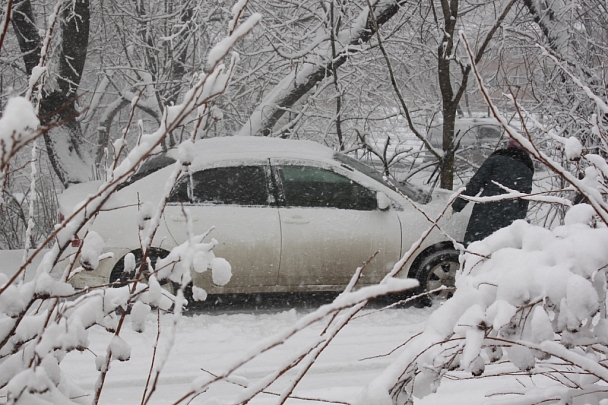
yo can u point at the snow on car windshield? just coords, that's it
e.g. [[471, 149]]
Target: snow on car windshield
[[410, 191]]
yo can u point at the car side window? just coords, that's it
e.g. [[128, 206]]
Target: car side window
[[307, 186], [237, 185], [489, 133]]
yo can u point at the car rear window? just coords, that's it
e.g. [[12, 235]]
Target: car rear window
[[150, 166], [490, 133], [236, 185]]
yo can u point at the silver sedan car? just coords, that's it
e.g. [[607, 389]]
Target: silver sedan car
[[288, 215]]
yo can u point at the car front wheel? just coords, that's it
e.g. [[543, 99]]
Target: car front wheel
[[436, 270]]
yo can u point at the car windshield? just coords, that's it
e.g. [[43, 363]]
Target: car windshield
[[150, 166], [407, 189]]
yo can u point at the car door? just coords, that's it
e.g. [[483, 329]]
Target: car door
[[330, 225], [237, 201]]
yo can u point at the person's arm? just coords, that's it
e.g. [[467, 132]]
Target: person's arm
[[477, 182]]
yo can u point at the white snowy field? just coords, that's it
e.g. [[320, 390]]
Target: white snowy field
[[519, 267], [210, 341], [213, 341]]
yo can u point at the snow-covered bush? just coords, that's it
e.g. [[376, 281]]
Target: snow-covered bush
[[43, 318], [25, 206], [529, 301]]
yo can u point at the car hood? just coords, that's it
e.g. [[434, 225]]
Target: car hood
[[436, 200], [439, 198]]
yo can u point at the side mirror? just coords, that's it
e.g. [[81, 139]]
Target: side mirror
[[383, 201]]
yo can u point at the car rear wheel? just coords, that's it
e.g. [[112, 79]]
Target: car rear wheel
[[119, 277], [438, 269]]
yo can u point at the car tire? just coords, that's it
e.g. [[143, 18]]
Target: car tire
[[118, 277], [437, 269]]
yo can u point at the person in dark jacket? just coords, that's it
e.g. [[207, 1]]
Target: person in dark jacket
[[512, 168]]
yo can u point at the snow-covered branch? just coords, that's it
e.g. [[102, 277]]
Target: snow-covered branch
[[527, 296], [46, 318]]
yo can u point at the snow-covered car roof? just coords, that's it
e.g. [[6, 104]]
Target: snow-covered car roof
[[252, 147], [471, 122], [235, 148], [206, 152]]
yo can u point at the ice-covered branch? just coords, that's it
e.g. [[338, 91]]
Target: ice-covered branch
[[581, 186], [531, 297], [44, 324]]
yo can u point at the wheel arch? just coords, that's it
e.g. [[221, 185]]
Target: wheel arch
[[120, 263]]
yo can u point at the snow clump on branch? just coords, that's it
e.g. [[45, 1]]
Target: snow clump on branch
[[524, 296], [17, 127], [43, 319]]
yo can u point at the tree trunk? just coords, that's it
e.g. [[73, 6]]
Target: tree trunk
[[70, 158], [307, 75], [334, 27], [27, 33], [449, 102], [451, 99], [550, 25]]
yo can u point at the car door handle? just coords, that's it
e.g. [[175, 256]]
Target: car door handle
[[182, 218], [296, 219]]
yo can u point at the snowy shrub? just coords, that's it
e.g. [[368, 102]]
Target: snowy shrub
[[27, 212], [532, 297], [529, 302], [43, 318]]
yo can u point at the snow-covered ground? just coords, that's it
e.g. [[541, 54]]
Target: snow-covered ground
[[211, 340], [505, 297]]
